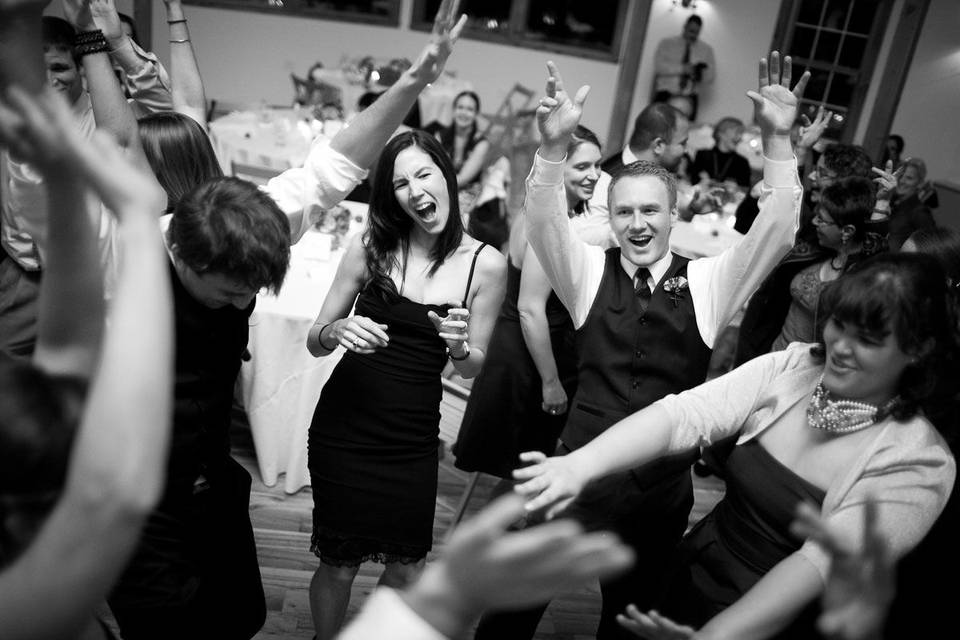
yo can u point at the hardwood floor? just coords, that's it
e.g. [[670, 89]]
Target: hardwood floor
[[282, 525]]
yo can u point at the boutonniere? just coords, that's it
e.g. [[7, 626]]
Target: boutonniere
[[675, 286]]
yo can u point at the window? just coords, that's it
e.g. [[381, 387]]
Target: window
[[385, 12], [566, 26], [838, 41]]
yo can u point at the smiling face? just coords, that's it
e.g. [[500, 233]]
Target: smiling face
[[464, 111], [860, 365], [641, 217], [581, 172], [908, 182], [421, 190], [62, 73]]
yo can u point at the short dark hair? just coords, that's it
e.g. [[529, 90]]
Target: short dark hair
[[389, 225], [57, 33], [179, 152], [897, 140], [850, 203], [847, 160], [646, 168], [905, 294], [229, 226], [695, 19], [658, 120], [726, 123]]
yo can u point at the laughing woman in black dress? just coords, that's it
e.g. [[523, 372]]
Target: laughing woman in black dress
[[419, 284]]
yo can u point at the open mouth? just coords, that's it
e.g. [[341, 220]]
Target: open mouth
[[640, 241], [840, 367], [427, 212]]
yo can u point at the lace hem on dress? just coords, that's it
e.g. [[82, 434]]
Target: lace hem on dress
[[342, 551]]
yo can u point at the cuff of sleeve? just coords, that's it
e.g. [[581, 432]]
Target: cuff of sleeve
[[323, 153], [780, 173], [547, 172]]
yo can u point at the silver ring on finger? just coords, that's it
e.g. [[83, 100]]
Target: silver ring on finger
[[356, 343]]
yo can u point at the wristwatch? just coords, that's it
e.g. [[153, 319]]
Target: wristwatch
[[466, 353]]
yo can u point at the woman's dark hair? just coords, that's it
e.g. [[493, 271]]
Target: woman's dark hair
[[943, 245], [582, 135], [906, 295], [849, 202], [179, 152], [229, 226], [389, 225], [447, 134]]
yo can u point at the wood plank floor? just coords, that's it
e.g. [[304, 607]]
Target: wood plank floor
[[282, 525]]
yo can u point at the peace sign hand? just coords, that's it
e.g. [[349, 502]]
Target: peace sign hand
[[445, 33]]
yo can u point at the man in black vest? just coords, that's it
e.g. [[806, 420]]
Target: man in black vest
[[646, 321]]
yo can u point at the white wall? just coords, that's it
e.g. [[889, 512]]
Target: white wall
[[740, 31], [248, 57], [927, 116]]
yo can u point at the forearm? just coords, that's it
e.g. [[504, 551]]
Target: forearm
[[536, 335], [188, 93], [777, 146], [471, 365], [70, 322], [21, 62], [319, 341], [110, 109], [370, 130], [770, 606]]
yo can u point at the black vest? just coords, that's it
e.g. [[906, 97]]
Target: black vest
[[629, 359], [209, 346]]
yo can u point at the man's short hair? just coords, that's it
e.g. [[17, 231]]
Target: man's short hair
[[642, 168], [57, 33], [847, 160], [230, 227], [695, 19], [658, 120]]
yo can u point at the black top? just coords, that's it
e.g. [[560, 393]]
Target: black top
[[720, 166]]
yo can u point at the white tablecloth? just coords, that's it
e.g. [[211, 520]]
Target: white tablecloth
[[281, 383], [704, 235], [270, 138]]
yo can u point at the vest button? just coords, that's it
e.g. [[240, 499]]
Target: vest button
[[643, 320], [636, 383], [638, 353]]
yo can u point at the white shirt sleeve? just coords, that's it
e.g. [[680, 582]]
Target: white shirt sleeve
[[573, 267], [325, 178], [720, 285], [387, 617]]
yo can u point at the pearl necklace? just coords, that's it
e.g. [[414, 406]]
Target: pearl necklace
[[844, 416]]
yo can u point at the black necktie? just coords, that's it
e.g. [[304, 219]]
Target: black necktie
[[685, 78], [641, 287]]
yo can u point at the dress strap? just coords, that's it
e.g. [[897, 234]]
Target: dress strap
[[473, 265]]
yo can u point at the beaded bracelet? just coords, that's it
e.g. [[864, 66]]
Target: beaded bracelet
[[90, 42]]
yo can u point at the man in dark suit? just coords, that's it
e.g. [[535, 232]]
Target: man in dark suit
[[659, 135]]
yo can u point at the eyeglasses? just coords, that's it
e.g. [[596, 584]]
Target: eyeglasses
[[822, 175], [820, 221]]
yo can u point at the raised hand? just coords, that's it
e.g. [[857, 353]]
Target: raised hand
[[861, 583], [78, 14], [106, 18], [774, 103], [886, 180], [452, 328], [559, 114], [811, 132], [653, 626], [359, 334], [549, 483], [446, 31], [41, 130]]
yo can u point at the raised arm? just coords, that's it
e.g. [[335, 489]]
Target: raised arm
[[20, 59], [118, 458], [363, 140], [532, 304], [188, 94], [563, 256], [724, 283]]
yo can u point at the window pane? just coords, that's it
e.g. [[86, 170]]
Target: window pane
[[810, 11], [841, 89], [851, 54], [802, 46], [836, 15], [861, 18], [483, 15], [817, 86], [573, 22], [827, 46]]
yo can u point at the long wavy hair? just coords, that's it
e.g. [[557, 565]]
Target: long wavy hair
[[179, 153], [906, 295], [389, 226]]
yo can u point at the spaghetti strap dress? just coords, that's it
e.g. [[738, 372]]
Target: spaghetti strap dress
[[742, 539], [373, 442], [504, 416]]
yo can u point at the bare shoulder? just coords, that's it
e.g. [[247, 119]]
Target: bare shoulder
[[490, 262], [355, 258]]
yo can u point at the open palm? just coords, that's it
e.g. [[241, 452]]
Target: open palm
[[775, 105], [446, 32], [558, 115]]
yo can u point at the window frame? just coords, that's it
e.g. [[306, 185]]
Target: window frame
[[518, 36], [259, 6]]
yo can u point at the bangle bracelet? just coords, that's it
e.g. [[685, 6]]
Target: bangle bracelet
[[90, 42], [182, 40], [320, 337], [176, 21]]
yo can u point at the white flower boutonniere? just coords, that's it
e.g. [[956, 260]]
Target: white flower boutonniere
[[675, 286]]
